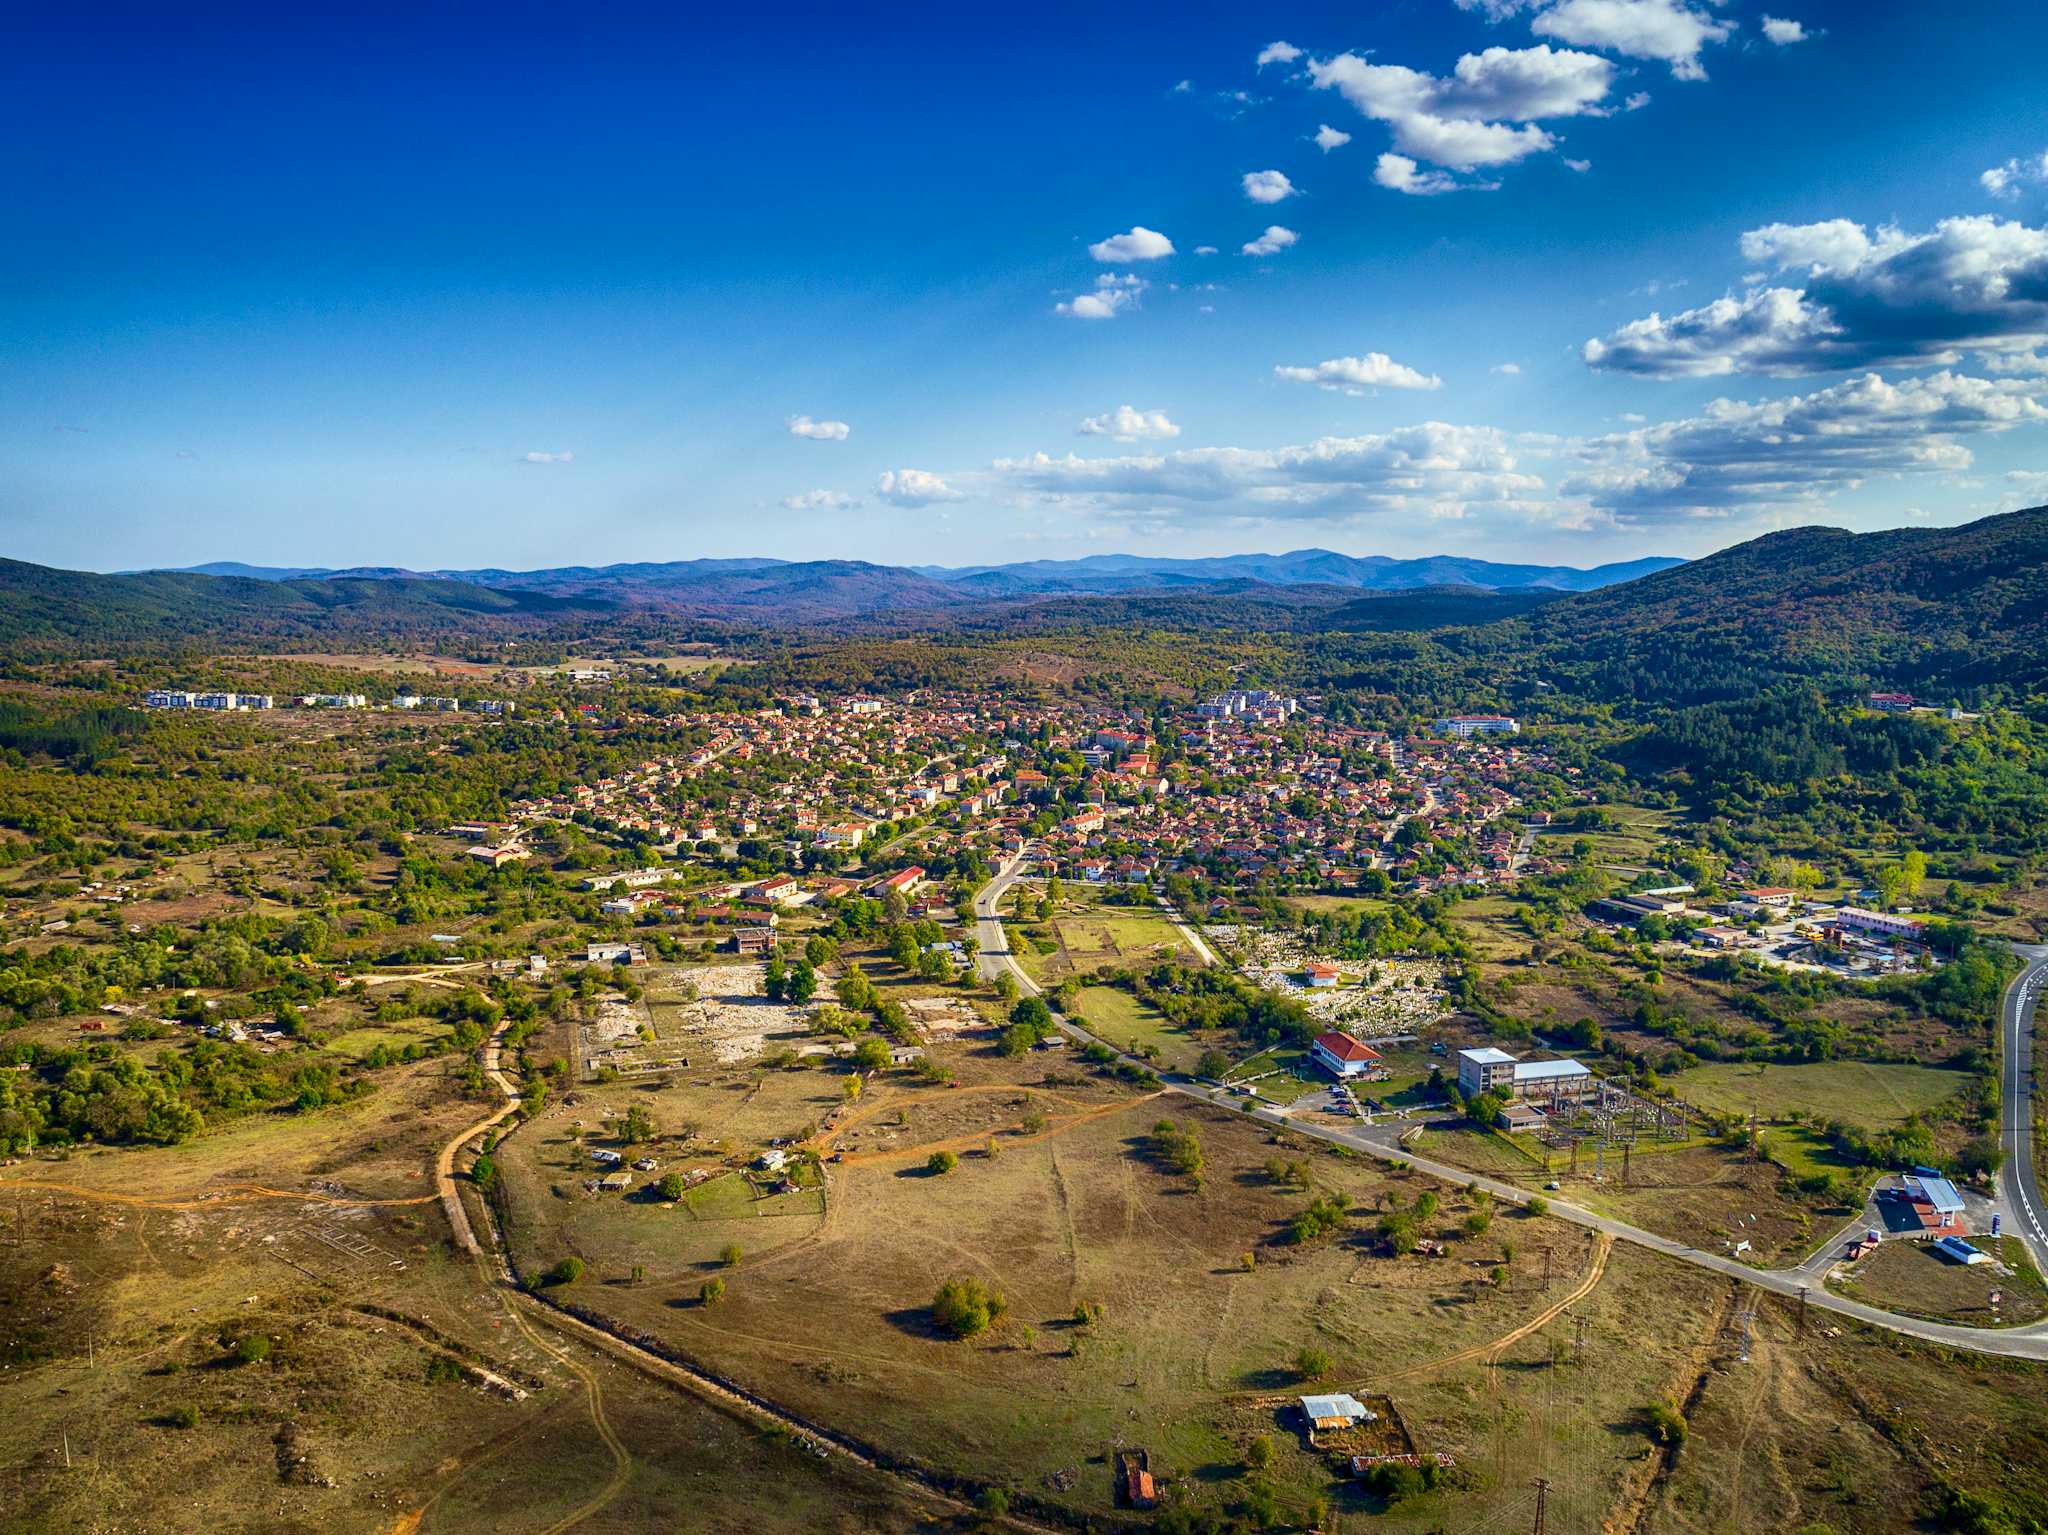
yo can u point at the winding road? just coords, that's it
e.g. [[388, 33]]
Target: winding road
[[2019, 1194]]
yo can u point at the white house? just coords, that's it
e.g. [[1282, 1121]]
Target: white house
[[1341, 1055], [1484, 1069]]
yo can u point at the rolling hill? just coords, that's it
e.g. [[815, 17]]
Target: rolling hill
[[1908, 608]]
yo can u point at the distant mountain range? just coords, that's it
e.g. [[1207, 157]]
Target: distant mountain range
[[1954, 607], [843, 588]]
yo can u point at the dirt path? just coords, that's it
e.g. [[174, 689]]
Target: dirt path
[[1493, 1350], [235, 1194]]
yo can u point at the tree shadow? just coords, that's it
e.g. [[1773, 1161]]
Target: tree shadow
[[916, 1322]]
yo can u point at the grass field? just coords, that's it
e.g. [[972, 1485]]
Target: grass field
[[1856, 1092], [1123, 1020], [1911, 1277], [1090, 936]]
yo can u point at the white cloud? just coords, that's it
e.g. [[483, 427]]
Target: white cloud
[[1505, 367], [2009, 179], [1375, 370], [1736, 455], [1581, 166], [1433, 470], [1470, 118], [1398, 173], [564, 457], [1274, 240], [1667, 30], [1278, 53], [1267, 186], [818, 431], [1205, 250], [913, 488], [1141, 244], [1636, 101], [1128, 424], [1113, 294], [819, 501], [1498, 10], [2031, 363], [1328, 138], [1782, 32], [1869, 298]]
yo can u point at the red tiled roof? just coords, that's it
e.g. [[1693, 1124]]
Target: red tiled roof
[[1345, 1048]]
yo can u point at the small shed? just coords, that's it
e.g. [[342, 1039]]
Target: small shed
[[1337, 1411]]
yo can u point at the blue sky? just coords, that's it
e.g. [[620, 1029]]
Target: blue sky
[[517, 286]]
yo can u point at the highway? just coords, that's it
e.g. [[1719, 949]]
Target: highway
[[2019, 1190], [2016, 1177]]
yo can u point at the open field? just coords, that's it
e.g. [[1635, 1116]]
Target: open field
[[1191, 1352], [1122, 1019], [126, 1297], [1088, 936], [1857, 1092]]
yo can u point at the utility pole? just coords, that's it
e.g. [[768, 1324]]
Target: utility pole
[[1626, 1146], [1802, 1311], [1542, 1486]]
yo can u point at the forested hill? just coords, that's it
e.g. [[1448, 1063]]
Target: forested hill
[[1939, 610], [69, 612]]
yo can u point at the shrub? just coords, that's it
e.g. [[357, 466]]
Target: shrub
[[670, 1187], [731, 1256], [964, 1307], [711, 1292], [941, 1162], [1312, 1364], [1667, 1424], [183, 1417], [253, 1349], [1537, 1205], [568, 1271]]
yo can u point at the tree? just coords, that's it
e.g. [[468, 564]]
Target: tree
[[637, 1126], [965, 1307], [1213, 1064], [670, 1187], [855, 990], [484, 1171], [1312, 1364], [1006, 985], [711, 1292], [731, 1255], [1259, 1453], [253, 1349], [940, 1162], [803, 983], [871, 1054]]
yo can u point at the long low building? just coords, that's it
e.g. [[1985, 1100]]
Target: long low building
[[1489, 1069]]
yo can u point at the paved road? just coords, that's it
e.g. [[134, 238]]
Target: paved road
[[2014, 1342], [2019, 1191]]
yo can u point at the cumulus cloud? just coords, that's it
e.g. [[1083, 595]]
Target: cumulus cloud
[[1774, 453], [1498, 10], [1433, 469], [1328, 138], [1205, 250], [1278, 53], [1375, 370], [819, 501], [1581, 166], [1274, 240], [1505, 367], [818, 431], [1113, 294], [1666, 30], [564, 457], [1268, 186], [2008, 180], [1141, 244], [1484, 113], [1398, 173], [914, 488], [1869, 298], [1782, 32], [1128, 424]]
